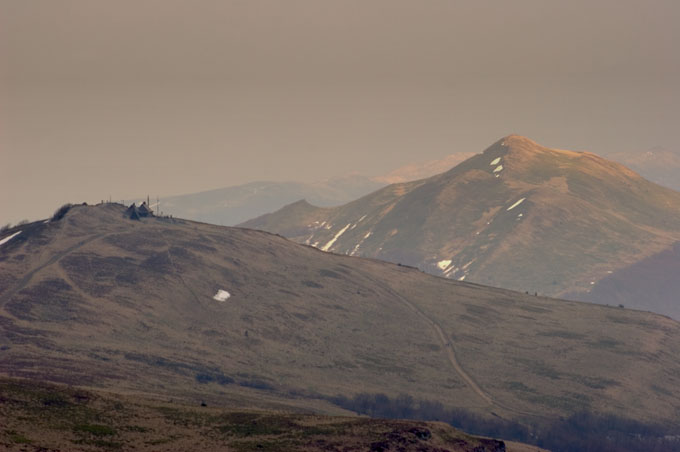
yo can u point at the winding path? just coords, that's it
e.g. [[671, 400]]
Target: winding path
[[23, 282], [446, 343], [451, 355]]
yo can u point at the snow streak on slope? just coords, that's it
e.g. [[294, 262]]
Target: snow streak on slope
[[328, 245], [7, 239], [516, 204]]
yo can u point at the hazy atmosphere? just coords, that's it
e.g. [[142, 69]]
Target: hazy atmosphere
[[127, 98], [383, 225]]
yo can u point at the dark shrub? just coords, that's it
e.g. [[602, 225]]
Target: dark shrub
[[60, 212]]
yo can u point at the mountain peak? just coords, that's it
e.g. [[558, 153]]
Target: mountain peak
[[513, 140], [570, 217], [518, 144]]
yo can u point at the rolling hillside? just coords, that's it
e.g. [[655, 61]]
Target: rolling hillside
[[241, 317], [519, 216], [51, 417]]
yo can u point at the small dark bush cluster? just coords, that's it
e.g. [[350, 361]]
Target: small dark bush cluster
[[219, 378], [582, 431], [60, 212], [256, 384]]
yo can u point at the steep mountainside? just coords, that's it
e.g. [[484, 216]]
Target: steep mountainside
[[519, 216], [650, 284], [227, 315]]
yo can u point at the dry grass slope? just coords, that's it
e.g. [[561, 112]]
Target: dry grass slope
[[97, 300]]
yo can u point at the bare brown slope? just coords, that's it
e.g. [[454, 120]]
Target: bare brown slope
[[519, 215], [95, 299]]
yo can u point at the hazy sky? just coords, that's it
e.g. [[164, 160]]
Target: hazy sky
[[125, 98]]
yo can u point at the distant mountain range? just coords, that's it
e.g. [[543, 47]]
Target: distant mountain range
[[519, 216], [416, 171], [658, 164], [232, 316], [232, 205], [235, 204]]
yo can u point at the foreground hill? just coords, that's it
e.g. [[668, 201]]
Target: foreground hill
[[227, 315], [519, 216], [48, 417]]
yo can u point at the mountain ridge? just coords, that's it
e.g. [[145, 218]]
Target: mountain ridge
[[515, 197]]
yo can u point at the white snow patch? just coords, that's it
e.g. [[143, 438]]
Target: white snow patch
[[498, 169], [462, 278], [468, 264], [516, 204], [497, 175], [592, 282], [46, 221], [353, 226], [520, 215], [495, 161], [221, 295], [361, 219], [443, 265], [356, 248], [7, 239], [328, 245], [315, 244], [610, 272]]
